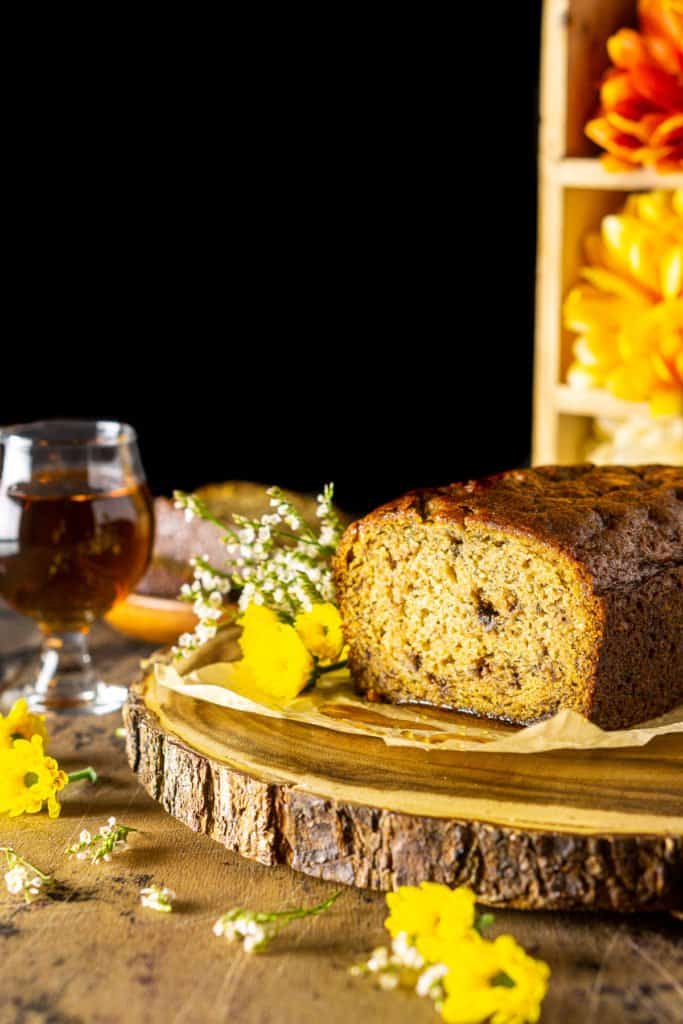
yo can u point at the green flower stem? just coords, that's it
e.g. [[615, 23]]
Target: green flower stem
[[84, 773], [285, 916], [331, 668], [292, 536], [200, 509], [275, 492], [207, 517], [13, 858], [202, 563]]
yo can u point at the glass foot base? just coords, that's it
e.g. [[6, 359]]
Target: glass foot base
[[62, 679], [99, 699]]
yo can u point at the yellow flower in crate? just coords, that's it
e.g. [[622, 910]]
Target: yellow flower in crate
[[628, 311], [275, 659], [493, 981], [321, 631], [28, 779], [20, 723], [432, 916]]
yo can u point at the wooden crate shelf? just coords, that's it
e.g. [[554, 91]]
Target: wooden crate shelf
[[574, 402], [575, 192], [588, 172]]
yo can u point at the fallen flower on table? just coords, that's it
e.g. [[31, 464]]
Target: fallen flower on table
[[493, 981], [23, 878], [257, 928], [435, 915], [20, 724], [29, 779], [438, 950], [111, 839], [157, 897]]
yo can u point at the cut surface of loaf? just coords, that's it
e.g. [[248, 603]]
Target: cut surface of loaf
[[518, 595]]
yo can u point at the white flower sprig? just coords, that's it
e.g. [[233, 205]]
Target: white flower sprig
[[277, 560], [23, 878], [257, 928], [404, 965], [430, 982], [112, 838], [157, 897]]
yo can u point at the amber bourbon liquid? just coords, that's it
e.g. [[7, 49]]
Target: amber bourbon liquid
[[68, 552]]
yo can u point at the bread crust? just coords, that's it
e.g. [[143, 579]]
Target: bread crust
[[621, 527]]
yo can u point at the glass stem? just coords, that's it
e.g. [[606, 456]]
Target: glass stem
[[66, 675]]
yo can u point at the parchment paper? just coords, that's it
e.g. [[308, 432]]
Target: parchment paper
[[333, 704]]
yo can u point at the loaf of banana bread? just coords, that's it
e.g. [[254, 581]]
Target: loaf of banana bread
[[518, 595]]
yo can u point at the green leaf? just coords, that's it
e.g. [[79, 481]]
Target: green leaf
[[484, 921], [502, 980]]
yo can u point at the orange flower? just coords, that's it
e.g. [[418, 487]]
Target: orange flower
[[640, 121]]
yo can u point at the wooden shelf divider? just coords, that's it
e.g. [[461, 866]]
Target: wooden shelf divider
[[575, 402], [588, 172]]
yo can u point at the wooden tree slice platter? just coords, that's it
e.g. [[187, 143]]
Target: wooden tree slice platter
[[561, 830]]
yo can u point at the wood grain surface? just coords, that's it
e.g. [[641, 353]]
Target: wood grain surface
[[96, 955]]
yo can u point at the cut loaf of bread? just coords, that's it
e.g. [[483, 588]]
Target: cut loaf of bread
[[518, 595]]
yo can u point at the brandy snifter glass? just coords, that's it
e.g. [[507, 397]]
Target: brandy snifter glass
[[76, 531]]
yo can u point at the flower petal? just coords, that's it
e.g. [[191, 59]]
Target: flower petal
[[658, 87], [626, 48]]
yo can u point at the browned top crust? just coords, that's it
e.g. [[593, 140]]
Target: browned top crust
[[624, 524]]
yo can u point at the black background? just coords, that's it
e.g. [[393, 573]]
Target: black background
[[305, 270]]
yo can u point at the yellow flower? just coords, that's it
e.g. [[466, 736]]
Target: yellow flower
[[496, 982], [628, 310], [20, 723], [321, 631], [275, 659], [432, 916], [28, 778]]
